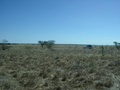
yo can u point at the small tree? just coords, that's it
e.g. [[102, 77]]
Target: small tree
[[50, 44], [42, 43], [4, 44], [102, 50], [45, 42], [117, 45]]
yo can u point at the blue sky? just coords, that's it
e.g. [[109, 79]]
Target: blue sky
[[65, 21]]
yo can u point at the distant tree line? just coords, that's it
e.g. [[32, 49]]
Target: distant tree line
[[49, 44]]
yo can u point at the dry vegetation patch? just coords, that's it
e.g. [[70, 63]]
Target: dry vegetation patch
[[66, 67]]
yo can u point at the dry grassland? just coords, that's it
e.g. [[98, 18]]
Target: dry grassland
[[66, 67]]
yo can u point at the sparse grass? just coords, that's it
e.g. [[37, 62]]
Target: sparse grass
[[67, 67]]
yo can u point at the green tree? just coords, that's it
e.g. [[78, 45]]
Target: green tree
[[50, 44], [4, 44], [42, 43], [117, 45]]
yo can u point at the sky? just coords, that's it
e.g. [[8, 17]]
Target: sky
[[64, 21]]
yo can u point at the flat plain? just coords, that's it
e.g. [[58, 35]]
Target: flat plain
[[64, 67]]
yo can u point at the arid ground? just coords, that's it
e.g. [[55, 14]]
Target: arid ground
[[65, 67]]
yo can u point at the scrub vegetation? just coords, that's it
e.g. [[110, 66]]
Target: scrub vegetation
[[49, 44], [65, 67], [4, 44]]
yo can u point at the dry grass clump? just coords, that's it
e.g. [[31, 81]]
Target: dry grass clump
[[65, 67]]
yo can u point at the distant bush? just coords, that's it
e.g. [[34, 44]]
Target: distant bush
[[42, 43], [117, 45], [4, 44], [49, 44], [102, 50]]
